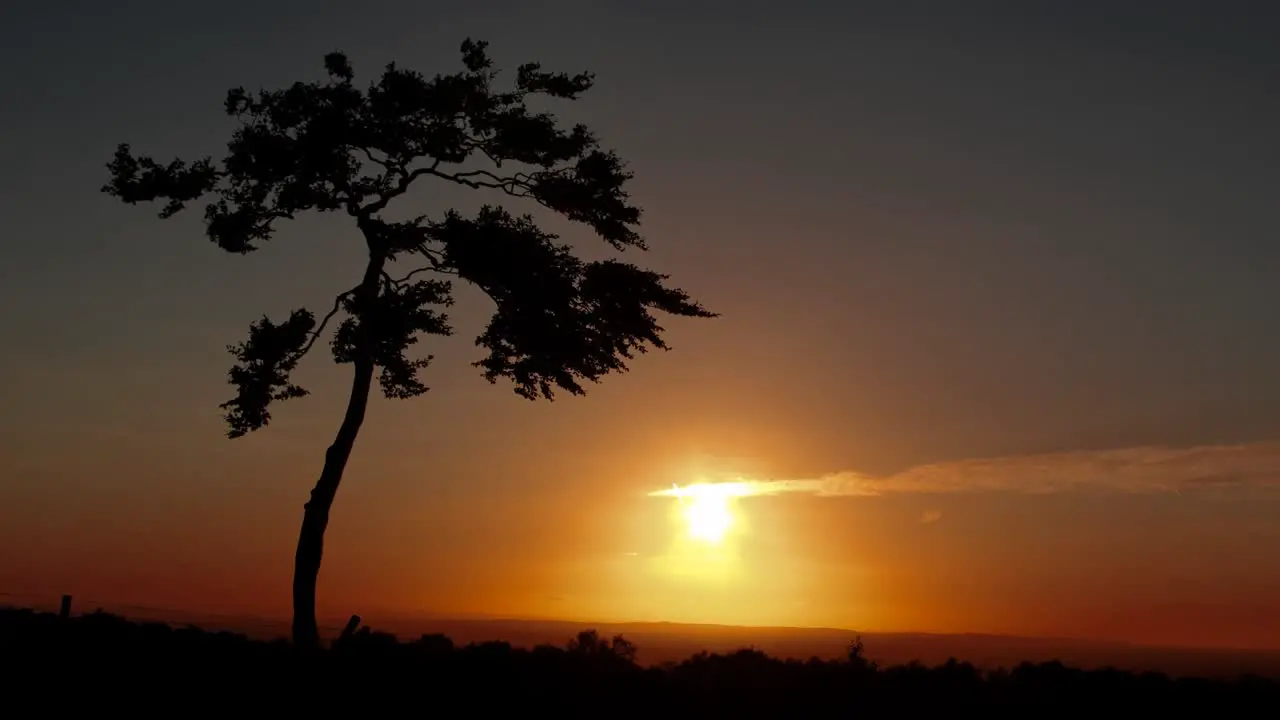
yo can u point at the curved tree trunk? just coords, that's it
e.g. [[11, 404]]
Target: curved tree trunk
[[315, 515]]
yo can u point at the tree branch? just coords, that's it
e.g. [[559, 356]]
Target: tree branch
[[426, 268], [386, 164], [315, 334], [406, 179]]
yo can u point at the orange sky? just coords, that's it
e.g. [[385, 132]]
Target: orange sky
[[933, 238], [554, 521]]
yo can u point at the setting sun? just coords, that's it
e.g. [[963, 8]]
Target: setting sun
[[705, 510], [708, 518]]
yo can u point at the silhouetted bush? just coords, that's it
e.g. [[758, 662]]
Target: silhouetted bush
[[103, 662]]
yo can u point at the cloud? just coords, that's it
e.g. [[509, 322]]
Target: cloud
[[1127, 470], [930, 516]]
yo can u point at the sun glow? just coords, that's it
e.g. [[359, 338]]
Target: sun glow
[[705, 552], [706, 512]]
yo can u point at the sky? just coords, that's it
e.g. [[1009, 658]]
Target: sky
[[997, 350]]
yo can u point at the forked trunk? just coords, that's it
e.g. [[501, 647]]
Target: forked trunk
[[315, 515]]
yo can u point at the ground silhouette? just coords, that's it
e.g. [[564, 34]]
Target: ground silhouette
[[100, 661], [559, 322]]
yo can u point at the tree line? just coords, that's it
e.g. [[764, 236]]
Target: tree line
[[104, 661]]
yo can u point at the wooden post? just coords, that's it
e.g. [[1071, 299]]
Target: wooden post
[[350, 629], [65, 610]]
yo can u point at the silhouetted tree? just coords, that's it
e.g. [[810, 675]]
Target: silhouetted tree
[[331, 147], [588, 643], [857, 656]]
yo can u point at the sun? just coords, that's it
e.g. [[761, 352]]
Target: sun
[[708, 518], [706, 514]]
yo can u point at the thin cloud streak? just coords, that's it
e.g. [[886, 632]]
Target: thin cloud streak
[[1128, 470]]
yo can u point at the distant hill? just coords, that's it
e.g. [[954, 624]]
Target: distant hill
[[662, 642]]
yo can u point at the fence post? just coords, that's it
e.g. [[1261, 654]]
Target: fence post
[[65, 610], [351, 627]]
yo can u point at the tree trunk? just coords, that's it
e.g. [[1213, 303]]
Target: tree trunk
[[315, 515]]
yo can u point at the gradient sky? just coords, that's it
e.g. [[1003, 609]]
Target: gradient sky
[[938, 232]]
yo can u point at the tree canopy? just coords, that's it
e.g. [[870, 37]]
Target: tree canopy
[[331, 147]]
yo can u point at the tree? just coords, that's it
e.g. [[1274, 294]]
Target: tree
[[559, 321], [588, 643], [857, 655]]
